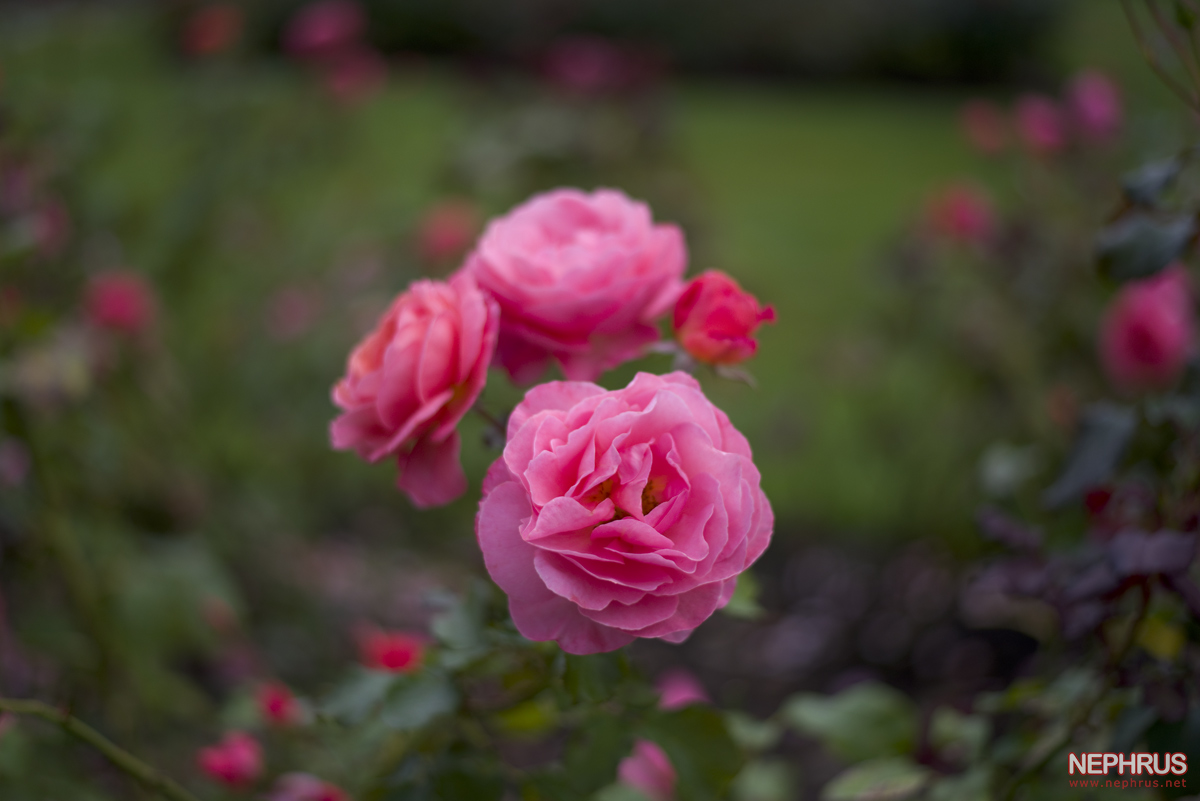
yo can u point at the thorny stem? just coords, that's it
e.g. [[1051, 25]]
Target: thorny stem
[[1188, 97], [122, 759], [1115, 657]]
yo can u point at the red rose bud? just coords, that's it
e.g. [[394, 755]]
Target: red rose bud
[[715, 319], [962, 213], [985, 127], [212, 29], [1042, 125], [1148, 332], [392, 651], [324, 27], [447, 230], [236, 761], [277, 705], [120, 301], [1095, 105]]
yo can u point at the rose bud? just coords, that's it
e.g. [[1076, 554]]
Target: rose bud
[[1095, 105], [985, 127], [580, 278], [715, 319], [962, 213], [120, 301], [411, 380], [649, 770], [236, 761], [679, 688], [277, 705], [620, 514], [212, 29], [391, 651], [1148, 332], [323, 28], [447, 230], [1041, 124]]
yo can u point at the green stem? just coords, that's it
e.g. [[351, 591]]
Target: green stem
[[122, 759]]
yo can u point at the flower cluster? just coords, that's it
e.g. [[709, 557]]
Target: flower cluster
[[611, 515]]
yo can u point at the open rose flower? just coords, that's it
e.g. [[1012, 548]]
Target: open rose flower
[[580, 278], [715, 319], [1149, 331], [412, 379], [622, 514]]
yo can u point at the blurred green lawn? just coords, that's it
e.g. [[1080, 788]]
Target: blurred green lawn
[[222, 183]]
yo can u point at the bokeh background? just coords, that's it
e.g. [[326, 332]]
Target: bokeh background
[[275, 202]]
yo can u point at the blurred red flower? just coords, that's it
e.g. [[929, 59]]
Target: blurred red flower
[[322, 28], [1095, 105], [392, 651], [963, 213], [305, 787], [353, 73], [985, 126], [1149, 331], [1041, 124], [211, 29], [120, 301], [277, 705], [235, 761]]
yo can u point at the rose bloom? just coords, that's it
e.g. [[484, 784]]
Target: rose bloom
[[649, 770], [1041, 124], [1095, 105], [985, 127], [305, 787], [392, 651], [119, 301], [411, 380], [715, 319], [580, 278], [1148, 331], [236, 761], [622, 514], [277, 705], [212, 29], [963, 213], [324, 27]]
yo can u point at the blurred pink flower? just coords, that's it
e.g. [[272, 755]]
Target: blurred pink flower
[[447, 230], [411, 380], [277, 705], [1041, 124], [963, 213], [581, 278], [236, 761], [51, 228], [353, 73], [291, 312], [649, 770], [323, 28], [393, 651], [715, 319], [14, 463], [1095, 105], [587, 64], [120, 301], [305, 787], [985, 126], [1149, 330], [211, 29], [679, 688]]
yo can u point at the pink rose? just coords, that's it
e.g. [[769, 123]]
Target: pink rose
[[1149, 330], [391, 651], [1041, 124], [649, 770], [679, 688], [963, 213], [324, 27], [985, 127], [588, 65], [622, 514], [236, 761], [277, 705], [580, 278], [120, 301], [715, 319], [411, 380], [1095, 104]]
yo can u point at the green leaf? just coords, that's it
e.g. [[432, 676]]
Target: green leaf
[[887, 779], [1146, 185], [468, 784], [974, 785], [744, 602], [1104, 432], [1139, 244], [620, 792], [765, 780], [411, 704], [358, 696], [750, 733], [460, 629], [863, 722], [704, 756], [594, 678], [957, 736], [598, 747]]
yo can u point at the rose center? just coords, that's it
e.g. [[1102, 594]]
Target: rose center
[[652, 494]]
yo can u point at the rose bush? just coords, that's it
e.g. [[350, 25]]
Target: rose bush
[[580, 278], [411, 380], [623, 514]]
